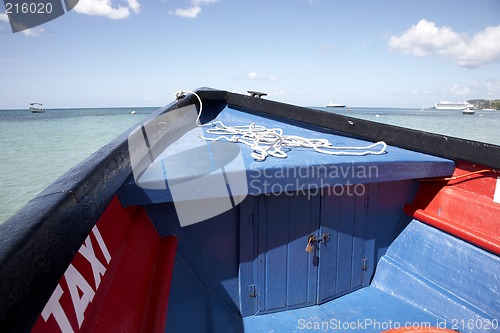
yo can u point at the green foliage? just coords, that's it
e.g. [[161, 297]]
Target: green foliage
[[485, 103]]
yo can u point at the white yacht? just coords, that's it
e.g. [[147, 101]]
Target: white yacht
[[335, 105], [37, 107], [468, 110], [453, 106]]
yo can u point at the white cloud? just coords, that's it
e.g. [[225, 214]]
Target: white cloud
[[4, 17], [252, 76], [459, 90], [190, 12], [482, 49], [488, 89], [107, 9], [135, 6], [194, 10], [33, 32], [425, 38], [257, 77]]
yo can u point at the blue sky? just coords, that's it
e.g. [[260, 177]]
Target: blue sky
[[392, 53]]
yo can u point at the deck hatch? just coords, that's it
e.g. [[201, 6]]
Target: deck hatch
[[282, 275]]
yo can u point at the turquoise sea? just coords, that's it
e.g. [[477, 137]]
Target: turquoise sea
[[35, 149]]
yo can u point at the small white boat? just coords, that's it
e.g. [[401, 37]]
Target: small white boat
[[37, 107], [335, 105], [468, 110]]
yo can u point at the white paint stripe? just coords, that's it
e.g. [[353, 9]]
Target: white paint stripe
[[496, 196]]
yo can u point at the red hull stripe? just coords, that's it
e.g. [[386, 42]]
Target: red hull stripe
[[118, 281], [464, 207], [472, 236]]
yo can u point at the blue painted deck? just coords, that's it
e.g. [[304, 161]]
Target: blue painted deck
[[188, 157], [426, 277]]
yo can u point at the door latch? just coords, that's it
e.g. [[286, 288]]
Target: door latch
[[311, 239]]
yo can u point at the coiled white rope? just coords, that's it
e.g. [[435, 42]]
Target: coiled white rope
[[271, 141]]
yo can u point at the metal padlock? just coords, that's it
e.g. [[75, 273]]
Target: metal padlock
[[309, 247]]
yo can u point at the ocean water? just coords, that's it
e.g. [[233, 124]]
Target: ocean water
[[35, 149]]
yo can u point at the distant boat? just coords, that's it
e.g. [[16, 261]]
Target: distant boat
[[453, 106], [37, 107], [468, 110], [335, 105]]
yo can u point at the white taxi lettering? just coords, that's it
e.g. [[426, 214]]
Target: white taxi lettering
[[53, 307], [79, 288], [98, 268]]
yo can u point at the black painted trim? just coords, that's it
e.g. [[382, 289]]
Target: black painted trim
[[434, 144]]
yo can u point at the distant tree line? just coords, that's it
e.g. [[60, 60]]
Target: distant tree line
[[485, 103]]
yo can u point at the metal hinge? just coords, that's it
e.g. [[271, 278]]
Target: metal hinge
[[364, 264], [253, 291]]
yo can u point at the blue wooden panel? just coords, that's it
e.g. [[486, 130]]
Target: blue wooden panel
[[209, 249], [282, 273], [344, 253], [345, 219], [330, 224], [187, 301], [302, 271], [390, 197], [248, 258], [273, 256], [193, 308], [359, 241], [444, 275], [371, 232]]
